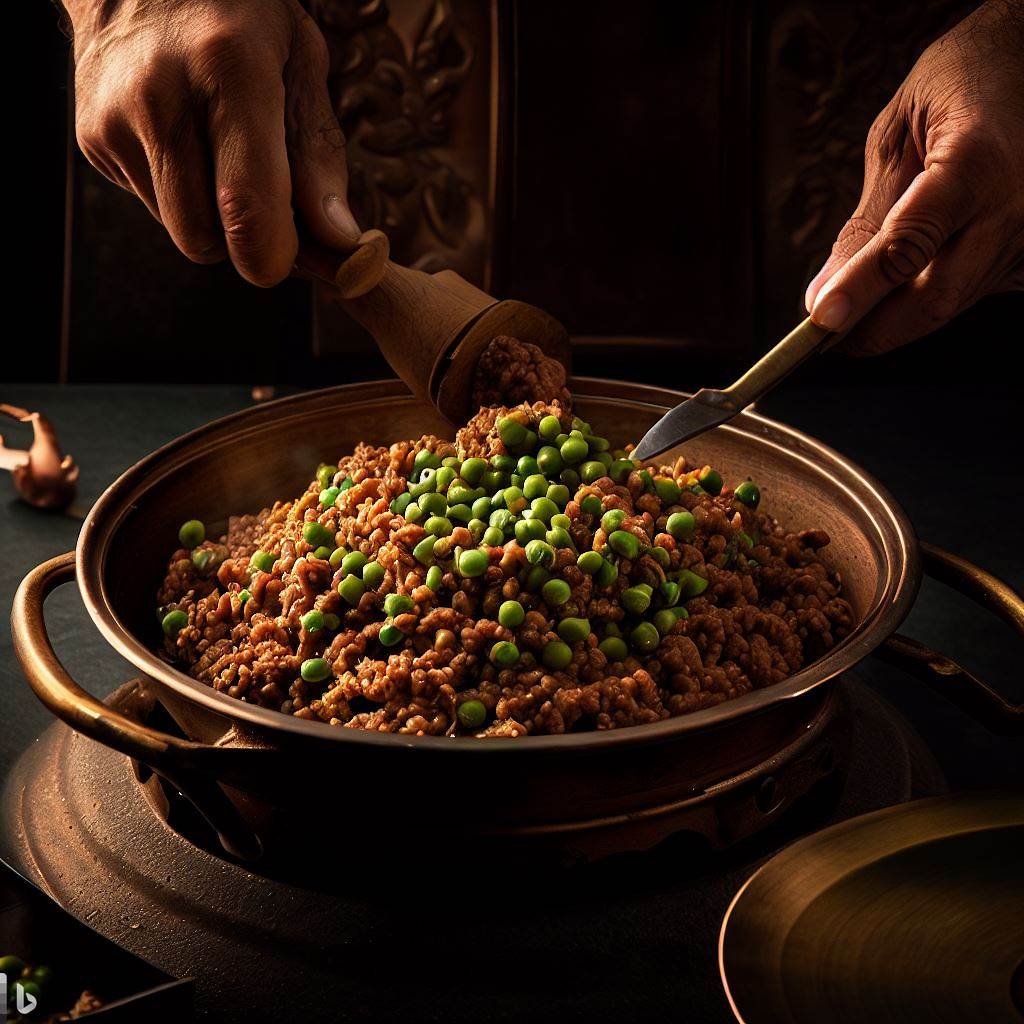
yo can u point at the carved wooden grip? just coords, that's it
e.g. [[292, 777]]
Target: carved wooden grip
[[432, 328]]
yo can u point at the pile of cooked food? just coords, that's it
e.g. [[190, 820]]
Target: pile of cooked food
[[520, 580]]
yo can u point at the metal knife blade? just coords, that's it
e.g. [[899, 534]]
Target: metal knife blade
[[694, 416]]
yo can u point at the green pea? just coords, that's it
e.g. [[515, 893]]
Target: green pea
[[425, 459], [570, 478], [530, 443], [243, 596], [620, 469], [315, 670], [346, 484], [558, 537], [460, 513], [413, 513], [572, 629], [433, 578], [591, 471], [472, 714], [328, 496], [544, 508], [472, 470], [535, 486], [511, 432], [390, 635], [549, 461], [323, 553], [561, 520], [401, 503], [612, 629], [174, 622], [574, 450], [192, 534], [613, 648], [502, 519], [749, 493], [623, 543], [493, 537], [636, 599], [373, 575], [351, 589], [473, 562], [515, 500], [645, 638], [612, 520], [549, 427], [665, 621], [444, 477], [331, 621], [336, 557], [527, 466], [481, 508], [451, 462], [41, 975], [681, 525], [32, 990], [312, 621], [426, 484], [529, 529], [504, 653], [556, 655], [536, 577], [556, 592], [316, 534], [263, 561], [606, 575], [661, 556], [424, 550], [353, 562], [433, 504], [691, 584], [397, 604], [580, 424], [591, 504], [325, 474], [459, 494], [590, 562], [711, 480], [539, 552], [559, 494], [670, 591], [511, 614], [503, 463], [439, 526], [667, 490]]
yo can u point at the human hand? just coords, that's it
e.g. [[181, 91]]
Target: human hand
[[216, 115], [940, 222]]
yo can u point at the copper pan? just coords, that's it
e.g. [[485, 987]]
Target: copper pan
[[242, 757]]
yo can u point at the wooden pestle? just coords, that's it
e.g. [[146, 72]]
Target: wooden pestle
[[433, 328]]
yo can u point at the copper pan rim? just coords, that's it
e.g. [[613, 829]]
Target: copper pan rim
[[894, 534]]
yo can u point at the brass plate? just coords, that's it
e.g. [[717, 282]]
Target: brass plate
[[913, 913]]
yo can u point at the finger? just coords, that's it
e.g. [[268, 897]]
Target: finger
[[891, 162], [971, 265], [936, 204], [250, 168], [114, 149], [183, 184], [316, 144]]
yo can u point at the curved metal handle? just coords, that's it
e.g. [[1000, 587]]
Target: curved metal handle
[[177, 760], [943, 674]]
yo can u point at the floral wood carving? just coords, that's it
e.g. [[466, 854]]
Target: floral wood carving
[[398, 73], [829, 71]]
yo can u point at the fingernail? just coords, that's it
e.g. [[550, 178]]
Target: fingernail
[[831, 310], [340, 217]]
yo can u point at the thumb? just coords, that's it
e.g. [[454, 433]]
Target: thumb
[[316, 146]]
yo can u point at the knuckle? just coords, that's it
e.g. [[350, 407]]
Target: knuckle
[[245, 217], [908, 246], [219, 52], [855, 233]]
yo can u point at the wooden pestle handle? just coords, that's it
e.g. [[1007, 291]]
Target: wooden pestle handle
[[432, 328]]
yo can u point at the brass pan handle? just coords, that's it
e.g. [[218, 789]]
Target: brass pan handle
[[946, 676], [177, 760]]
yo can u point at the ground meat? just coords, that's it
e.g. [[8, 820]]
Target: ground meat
[[266, 622]]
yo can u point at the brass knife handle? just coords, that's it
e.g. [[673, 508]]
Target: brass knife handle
[[801, 343]]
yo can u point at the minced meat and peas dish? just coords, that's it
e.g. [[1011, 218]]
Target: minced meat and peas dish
[[524, 579]]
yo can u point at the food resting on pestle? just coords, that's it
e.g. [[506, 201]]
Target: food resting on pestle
[[521, 580]]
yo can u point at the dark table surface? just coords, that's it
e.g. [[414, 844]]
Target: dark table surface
[[959, 478]]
